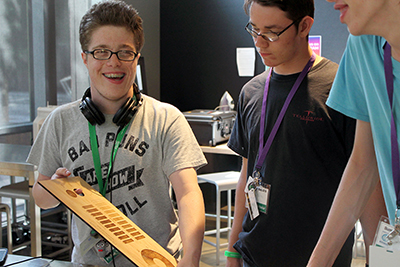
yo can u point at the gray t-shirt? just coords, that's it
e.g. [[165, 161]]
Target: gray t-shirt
[[158, 142]]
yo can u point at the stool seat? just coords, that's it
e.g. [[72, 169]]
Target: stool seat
[[16, 190], [223, 181]]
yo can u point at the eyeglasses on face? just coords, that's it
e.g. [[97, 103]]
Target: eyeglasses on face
[[104, 54], [269, 36]]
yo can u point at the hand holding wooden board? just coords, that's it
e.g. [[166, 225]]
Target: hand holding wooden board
[[109, 222]]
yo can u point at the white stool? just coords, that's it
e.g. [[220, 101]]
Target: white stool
[[5, 208], [223, 181], [19, 190]]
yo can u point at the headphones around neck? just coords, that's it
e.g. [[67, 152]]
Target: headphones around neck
[[123, 115]]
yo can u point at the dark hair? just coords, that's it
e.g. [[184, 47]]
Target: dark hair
[[115, 13], [295, 9]]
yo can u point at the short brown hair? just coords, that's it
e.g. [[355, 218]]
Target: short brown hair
[[295, 9], [115, 13]]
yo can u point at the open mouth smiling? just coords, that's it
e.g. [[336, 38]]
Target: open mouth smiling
[[114, 76]]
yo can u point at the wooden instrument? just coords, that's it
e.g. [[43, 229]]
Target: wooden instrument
[[109, 222]]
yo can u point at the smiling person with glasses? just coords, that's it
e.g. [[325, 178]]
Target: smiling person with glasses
[[130, 147], [289, 178]]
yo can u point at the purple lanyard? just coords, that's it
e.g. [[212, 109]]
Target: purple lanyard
[[263, 149], [393, 132]]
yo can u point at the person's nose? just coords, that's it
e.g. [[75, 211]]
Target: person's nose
[[114, 61], [261, 42]]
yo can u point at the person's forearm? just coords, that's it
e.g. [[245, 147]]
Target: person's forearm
[[191, 215], [370, 218], [345, 211], [240, 212], [43, 199], [192, 225], [358, 182]]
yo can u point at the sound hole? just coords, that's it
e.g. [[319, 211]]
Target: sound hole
[[150, 255], [81, 194], [71, 193]]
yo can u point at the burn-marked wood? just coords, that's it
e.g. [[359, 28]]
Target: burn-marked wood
[[109, 222]]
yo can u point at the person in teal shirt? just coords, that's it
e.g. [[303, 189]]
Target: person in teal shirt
[[360, 91], [366, 99]]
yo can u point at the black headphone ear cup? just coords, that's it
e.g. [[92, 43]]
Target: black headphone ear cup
[[123, 116], [91, 112], [125, 113]]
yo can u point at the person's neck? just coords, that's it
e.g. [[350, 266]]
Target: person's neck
[[395, 45], [297, 65], [396, 54], [394, 42], [110, 107], [390, 29]]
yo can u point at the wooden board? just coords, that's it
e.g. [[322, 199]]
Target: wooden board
[[109, 222]]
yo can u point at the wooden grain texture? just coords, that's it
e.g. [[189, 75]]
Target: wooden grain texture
[[109, 222]]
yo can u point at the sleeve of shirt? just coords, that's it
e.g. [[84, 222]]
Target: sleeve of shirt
[[44, 150], [347, 94], [180, 147], [237, 141]]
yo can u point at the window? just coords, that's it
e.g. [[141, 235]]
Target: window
[[15, 65], [35, 65]]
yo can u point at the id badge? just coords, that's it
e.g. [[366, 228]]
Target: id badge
[[88, 244], [251, 202], [262, 196], [105, 252], [100, 246], [387, 236]]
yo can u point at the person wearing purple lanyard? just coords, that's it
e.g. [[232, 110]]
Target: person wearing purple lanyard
[[367, 88], [294, 147]]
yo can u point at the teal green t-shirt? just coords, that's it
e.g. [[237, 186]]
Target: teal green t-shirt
[[359, 91]]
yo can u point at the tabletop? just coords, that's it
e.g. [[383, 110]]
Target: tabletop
[[218, 149], [26, 261]]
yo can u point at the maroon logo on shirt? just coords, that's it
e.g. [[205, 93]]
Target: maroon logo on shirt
[[308, 116]]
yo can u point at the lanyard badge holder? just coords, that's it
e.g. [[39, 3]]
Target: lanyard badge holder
[[394, 145], [257, 195], [388, 236], [386, 245], [257, 192]]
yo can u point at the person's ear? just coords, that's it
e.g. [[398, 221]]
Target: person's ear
[[84, 58], [305, 26]]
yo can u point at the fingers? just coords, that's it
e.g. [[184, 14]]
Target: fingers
[[64, 173], [78, 191], [61, 173]]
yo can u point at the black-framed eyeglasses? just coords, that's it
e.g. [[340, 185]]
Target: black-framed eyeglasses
[[104, 54], [269, 36]]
